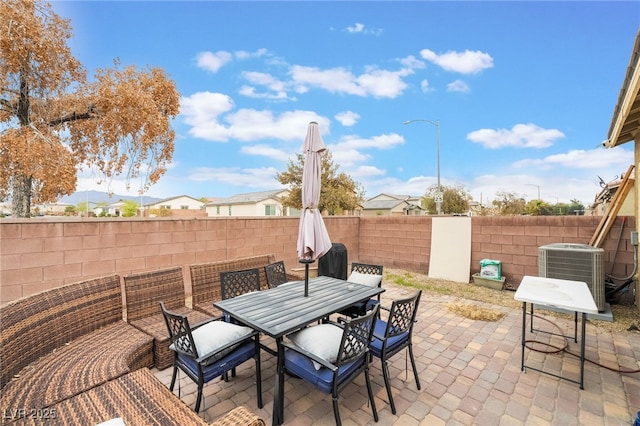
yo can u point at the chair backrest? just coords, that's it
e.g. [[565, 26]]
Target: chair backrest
[[366, 268], [356, 337], [205, 277], [276, 274], [179, 332], [402, 315], [235, 283], [144, 291]]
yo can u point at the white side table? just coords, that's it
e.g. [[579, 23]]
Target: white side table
[[564, 294]]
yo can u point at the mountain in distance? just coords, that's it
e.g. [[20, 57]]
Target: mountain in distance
[[103, 197]]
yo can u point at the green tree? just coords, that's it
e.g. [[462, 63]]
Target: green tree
[[509, 203], [129, 208], [54, 122], [82, 208], [575, 208], [455, 199], [538, 208], [339, 192]]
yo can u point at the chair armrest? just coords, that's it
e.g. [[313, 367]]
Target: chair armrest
[[309, 355]]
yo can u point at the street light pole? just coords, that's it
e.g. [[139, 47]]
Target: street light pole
[[537, 186], [437, 125]]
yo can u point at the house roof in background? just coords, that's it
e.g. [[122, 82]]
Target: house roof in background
[[626, 115], [248, 197], [175, 198], [382, 204]]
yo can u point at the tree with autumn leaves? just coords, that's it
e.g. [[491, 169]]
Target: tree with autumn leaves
[[54, 121]]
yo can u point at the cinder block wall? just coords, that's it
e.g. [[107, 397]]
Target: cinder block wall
[[38, 254], [515, 241]]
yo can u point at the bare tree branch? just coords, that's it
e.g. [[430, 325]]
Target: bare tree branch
[[74, 116], [8, 105]]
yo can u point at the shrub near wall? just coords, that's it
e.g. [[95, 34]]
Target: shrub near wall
[[38, 254]]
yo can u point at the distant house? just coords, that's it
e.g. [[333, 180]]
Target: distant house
[[263, 203], [180, 206], [54, 209], [115, 209], [392, 205], [604, 197]]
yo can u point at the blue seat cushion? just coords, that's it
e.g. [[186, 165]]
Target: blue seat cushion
[[392, 342], [241, 354], [302, 367]]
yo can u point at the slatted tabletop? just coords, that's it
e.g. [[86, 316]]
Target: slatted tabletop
[[281, 310]]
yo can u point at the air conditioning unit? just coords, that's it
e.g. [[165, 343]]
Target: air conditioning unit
[[576, 262]]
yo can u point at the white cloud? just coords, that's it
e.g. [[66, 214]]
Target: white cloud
[[264, 177], [553, 189], [385, 141], [264, 79], [458, 86], [359, 28], [362, 171], [467, 62], [519, 136], [424, 85], [250, 124], [356, 28], [348, 157], [201, 111], [210, 117], [350, 150], [250, 92], [593, 159], [243, 54], [213, 61], [412, 62], [267, 151], [383, 83], [414, 186], [374, 82], [347, 118]]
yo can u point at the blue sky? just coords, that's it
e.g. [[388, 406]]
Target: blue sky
[[524, 91]]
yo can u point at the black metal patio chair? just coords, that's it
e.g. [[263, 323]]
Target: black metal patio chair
[[330, 356], [276, 274], [210, 350], [393, 335], [368, 274]]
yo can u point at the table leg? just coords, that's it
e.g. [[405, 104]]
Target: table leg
[[531, 316], [524, 330], [582, 345], [575, 327], [278, 391]]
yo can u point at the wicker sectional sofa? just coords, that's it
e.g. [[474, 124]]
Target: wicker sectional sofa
[[67, 357], [61, 342]]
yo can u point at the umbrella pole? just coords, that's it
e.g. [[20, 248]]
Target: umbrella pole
[[306, 275]]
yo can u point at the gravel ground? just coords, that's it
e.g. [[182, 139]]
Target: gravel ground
[[625, 318]]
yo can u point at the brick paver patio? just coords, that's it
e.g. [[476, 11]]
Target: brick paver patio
[[470, 375]]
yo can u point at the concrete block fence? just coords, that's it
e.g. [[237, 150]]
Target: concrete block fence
[[38, 254]]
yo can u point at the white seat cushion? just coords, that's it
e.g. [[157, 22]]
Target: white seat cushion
[[366, 279], [213, 335], [321, 340]]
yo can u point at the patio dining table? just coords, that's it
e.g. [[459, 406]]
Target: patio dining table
[[279, 311]]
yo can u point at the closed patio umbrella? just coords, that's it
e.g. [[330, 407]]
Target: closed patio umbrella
[[313, 238]]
